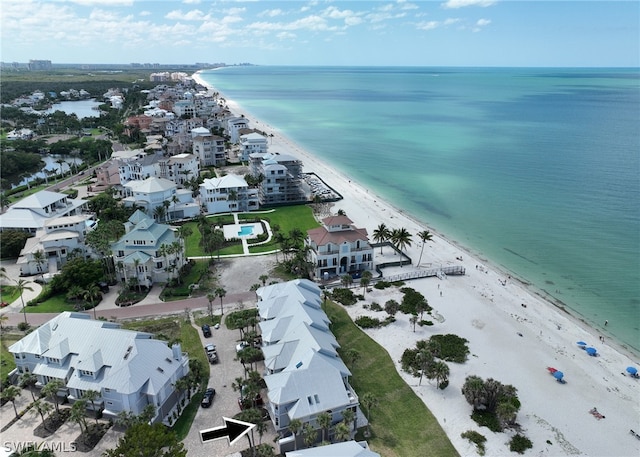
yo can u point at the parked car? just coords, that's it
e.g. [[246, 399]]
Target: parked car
[[208, 397], [212, 353], [206, 331], [241, 345]]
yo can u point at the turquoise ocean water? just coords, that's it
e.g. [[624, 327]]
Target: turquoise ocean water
[[536, 170]]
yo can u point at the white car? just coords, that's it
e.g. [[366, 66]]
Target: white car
[[242, 345]]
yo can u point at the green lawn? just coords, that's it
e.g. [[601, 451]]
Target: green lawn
[[55, 304], [287, 218], [8, 293], [7, 362], [402, 425]]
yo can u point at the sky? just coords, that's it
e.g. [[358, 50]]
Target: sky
[[324, 32]]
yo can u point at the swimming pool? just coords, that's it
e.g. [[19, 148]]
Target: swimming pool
[[245, 230]]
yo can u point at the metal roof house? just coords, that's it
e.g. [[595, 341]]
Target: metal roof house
[[129, 369], [304, 373], [346, 449]]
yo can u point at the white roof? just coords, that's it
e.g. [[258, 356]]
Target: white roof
[[346, 449], [40, 200], [151, 185], [226, 182]]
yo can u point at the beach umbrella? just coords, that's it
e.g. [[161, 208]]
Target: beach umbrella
[[632, 370], [591, 351], [581, 343], [558, 375]]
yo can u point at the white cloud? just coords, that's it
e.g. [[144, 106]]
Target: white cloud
[[191, 2], [430, 25], [286, 36], [271, 13], [103, 2], [483, 22], [193, 15], [455, 4], [145, 13], [407, 6]]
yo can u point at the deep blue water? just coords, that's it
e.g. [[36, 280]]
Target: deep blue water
[[536, 170]]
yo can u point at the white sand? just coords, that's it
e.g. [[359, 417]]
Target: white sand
[[490, 315]]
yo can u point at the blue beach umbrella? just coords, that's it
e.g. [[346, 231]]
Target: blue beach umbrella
[[558, 375], [632, 370], [591, 351], [581, 343]]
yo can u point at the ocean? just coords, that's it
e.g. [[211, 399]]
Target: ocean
[[535, 169]]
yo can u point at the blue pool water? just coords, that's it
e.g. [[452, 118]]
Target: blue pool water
[[245, 230]]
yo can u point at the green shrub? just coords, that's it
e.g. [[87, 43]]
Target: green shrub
[[344, 296], [423, 323], [452, 348], [520, 444], [381, 285], [375, 307], [486, 419], [368, 322], [477, 439]]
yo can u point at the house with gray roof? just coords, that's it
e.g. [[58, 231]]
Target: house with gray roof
[[148, 252], [152, 193], [128, 369], [230, 193], [304, 373], [31, 213], [346, 449]]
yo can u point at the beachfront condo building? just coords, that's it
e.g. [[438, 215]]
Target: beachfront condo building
[[250, 143], [209, 148], [228, 194], [338, 247], [282, 182], [128, 369]]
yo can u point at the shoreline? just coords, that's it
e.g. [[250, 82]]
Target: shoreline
[[481, 294]]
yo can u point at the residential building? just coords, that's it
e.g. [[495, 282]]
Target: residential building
[[148, 251], [209, 148], [56, 241], [250, 143], [282, 183], [234, 125], [338, 247], [228, 194], [153, 193], [180, 168], [184, 108], [31, 213], [128, 369], [304, 373]]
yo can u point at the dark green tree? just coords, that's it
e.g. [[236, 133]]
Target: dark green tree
[[144, 440]]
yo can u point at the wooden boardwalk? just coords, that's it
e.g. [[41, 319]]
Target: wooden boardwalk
[[417, 274]]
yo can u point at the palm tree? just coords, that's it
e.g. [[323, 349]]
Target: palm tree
[[78, 411], [220, 292], [159, 212], [369, 401], [175, 200], [263, 279], [309, 434], [324, 421], [401, 238], [349, 417], [211, 298], [51, 390], [40, 259], [381, 234], [414, 320], [92, 294], [28, 381], [342, 431], [295, 425], [346, 280], [21, 286], [43, 408], [425, 360], [473, 391], [424, 236], [440, 371], [10, 393], [92, 396], [365, 280]]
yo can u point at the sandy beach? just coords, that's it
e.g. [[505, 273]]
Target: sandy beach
[[514, 335]]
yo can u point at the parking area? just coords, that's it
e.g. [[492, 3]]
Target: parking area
[[225, 403]]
